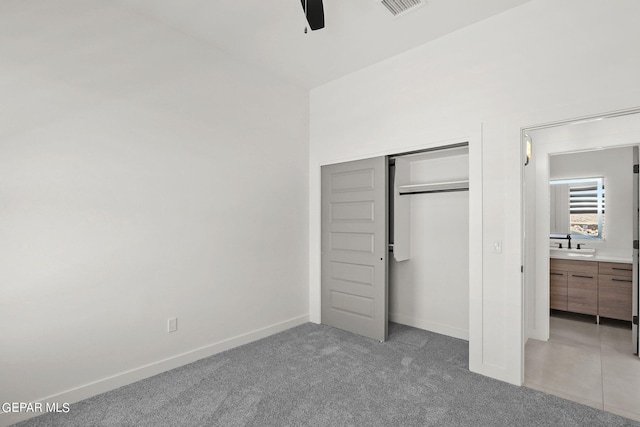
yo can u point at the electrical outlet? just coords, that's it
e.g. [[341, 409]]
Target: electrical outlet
[[172, 324], [497, 247]]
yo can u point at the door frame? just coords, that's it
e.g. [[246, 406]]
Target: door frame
[[543, 334], [471, 133], [635, 297]]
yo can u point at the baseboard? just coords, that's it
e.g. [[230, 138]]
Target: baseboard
[[534, 334], [427, 325], [111, 383]]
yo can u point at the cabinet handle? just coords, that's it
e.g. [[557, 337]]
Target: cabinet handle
[[584, 277], [621, 280], [621, 269], [557, 274]]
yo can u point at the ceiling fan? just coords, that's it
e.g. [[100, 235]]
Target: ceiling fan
[[314, 10]]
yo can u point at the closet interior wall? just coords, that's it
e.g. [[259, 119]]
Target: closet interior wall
[[429, 289]]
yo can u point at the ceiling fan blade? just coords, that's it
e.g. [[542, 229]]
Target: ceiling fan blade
[[314, 12]]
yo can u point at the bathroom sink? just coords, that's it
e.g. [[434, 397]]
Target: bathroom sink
[[585, 255], [573, 252]]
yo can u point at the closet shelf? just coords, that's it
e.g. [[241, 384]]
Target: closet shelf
[[435, 187]]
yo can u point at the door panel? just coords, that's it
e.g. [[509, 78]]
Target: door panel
[[582, 294], [354, 247], [613, 297], [558, 291]]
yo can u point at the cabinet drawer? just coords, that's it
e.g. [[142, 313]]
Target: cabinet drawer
[[582, 293], [558, 290], [614, 297], [587, 267], [615, 269]]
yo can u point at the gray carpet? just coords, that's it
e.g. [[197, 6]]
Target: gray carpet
[[315, 375]]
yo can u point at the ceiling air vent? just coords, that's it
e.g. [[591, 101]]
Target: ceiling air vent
[[397, 7]]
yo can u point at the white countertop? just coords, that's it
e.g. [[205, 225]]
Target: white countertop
[[595, 257]]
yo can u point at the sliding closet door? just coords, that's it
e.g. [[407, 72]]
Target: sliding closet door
[[354, 247]]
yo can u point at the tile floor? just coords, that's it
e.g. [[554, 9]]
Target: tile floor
[[587, 363]]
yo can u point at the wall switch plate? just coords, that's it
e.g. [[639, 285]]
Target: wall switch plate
[[497, 246], [172, 324]]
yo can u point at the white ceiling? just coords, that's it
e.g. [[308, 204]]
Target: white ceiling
[[270, 33]]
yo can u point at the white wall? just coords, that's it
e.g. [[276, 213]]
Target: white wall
[[143, 175], [541, 62]]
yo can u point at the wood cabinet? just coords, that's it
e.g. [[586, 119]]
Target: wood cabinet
[[582, 293], [591, 287], [558, 282], [615, 290]]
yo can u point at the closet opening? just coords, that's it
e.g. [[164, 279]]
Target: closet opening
[[395, 242]]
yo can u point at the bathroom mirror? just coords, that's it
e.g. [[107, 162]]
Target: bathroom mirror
[[577, 207]]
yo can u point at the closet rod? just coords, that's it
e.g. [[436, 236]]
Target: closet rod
[[450, 190], [427, 150]]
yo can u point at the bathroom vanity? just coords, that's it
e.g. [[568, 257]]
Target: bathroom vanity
[[595, 287]]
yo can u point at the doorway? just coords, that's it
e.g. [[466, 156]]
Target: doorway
[[590, 141]]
